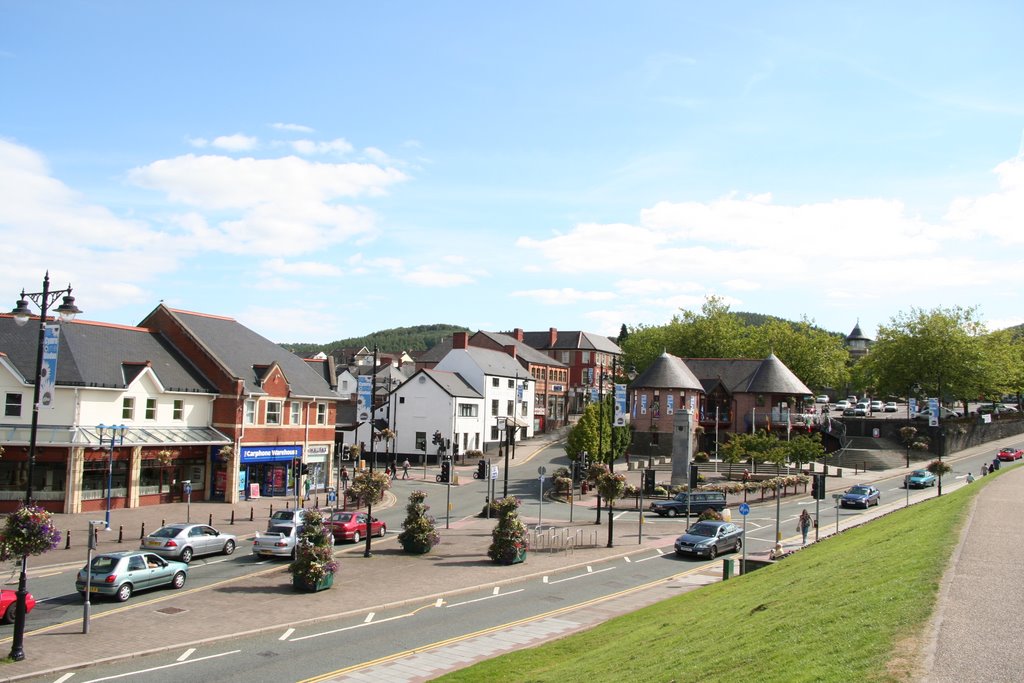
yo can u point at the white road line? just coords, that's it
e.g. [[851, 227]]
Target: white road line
[[627, 559], [287, 634], [349, 628], [624, 512], [186, 654], [580, 576], [438, 602], [488, 597], [158, 668], [497, 589], [545, 580], [369, 617], [652, 557], [64, 677]]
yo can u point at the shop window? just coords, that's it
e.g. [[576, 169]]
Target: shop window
[[94, 479], [12, 405]]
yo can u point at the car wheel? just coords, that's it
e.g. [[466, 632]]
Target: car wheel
[[673, 513], [11, 613], [229, 547], [383, 530], [179, 580], [124, 592], [739, 544], [355, 537], [713, 553], [186, 555]]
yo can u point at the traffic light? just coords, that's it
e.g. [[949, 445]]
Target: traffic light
[[446, 472], [481, 470], [693, 476], [649, 483], [437, 438], [584, 462], [304, 469], [818, 486]]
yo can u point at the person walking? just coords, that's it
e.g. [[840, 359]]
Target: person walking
[[344, 478], [394, 469], [803, 524], [405, 469]]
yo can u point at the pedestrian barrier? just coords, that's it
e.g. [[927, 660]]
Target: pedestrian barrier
[[565, 539]]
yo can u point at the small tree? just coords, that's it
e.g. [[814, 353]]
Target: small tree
[[611, 486], [419, 534], [314, 557], [509, 541]]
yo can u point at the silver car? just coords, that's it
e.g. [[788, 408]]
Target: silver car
[[184, 541], [120, 574], [709, 538]]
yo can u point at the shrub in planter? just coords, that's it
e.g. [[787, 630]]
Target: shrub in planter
[[563, 484], [709, 514], [660, 491], [419, 534], [314, 565], [562, 472], [631, 491], [701, 457], [493, 505], [509, 541]]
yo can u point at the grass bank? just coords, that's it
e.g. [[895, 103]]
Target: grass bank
[[852, 607]]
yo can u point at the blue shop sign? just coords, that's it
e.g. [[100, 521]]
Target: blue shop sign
[[251, 454]]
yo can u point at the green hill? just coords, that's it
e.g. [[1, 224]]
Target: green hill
[[411, 339]]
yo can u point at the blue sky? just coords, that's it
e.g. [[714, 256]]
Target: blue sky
[[320, 170]]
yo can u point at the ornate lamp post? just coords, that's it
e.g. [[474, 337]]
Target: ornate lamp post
[[116, 439], [66, 311]]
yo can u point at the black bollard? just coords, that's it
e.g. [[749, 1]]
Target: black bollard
[[142, 534], [120, 534], [67, 539], [232, 518], [210, 523], [251, 513], [271, 509], [317, 503], [163, 522], [287, 505]]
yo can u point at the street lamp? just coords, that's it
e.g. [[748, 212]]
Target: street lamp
[[93, 525], [21, 313], [116, 439]]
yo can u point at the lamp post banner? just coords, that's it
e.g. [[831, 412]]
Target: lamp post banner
[[364, 398], [621, 416], [48, 371], [670, 405]]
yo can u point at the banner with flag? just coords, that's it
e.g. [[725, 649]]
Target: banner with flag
[[48, 370]]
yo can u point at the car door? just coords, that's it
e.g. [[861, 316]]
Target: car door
[[138, 573], [361, 524], [209, 540], [159, 570]]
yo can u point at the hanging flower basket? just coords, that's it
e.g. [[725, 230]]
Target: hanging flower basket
[[28, 531]]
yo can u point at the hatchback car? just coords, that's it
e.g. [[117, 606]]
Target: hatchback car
[[918, 479], [709, 538], [1010, 454], [351, 526], [862, 409], [877, 406], [118, 575], [821, 399], [9, 605], [183, 541], [861, 496], [890, 407], [287, 517], [842, 405]]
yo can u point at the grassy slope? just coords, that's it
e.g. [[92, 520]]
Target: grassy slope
[[834, 611]]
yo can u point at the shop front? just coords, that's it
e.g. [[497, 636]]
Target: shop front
[[318, 472], [268, 470]]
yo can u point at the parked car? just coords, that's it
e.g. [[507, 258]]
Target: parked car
[[183, 541], [1010, 454], [286, 517], [120, 574], [821, 399], [710, 538], [890, 407], [861, 496], [9, 604], [862, 409], [852, 400], [997, 409], [918, 479], [842, 405], [351, 526], [701, 501], [877, 406], [944, 414], [850, 410], [279, 541]]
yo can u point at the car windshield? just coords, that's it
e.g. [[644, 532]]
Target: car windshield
[[702, 530], [283, 515], [283, 530], [342, 517], [166, 532], [859, 491], [919, 473]]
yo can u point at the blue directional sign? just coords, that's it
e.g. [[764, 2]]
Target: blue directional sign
[[744, 509]]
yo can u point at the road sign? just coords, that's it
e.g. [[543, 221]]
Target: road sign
[[542, 470], [744, 509], [188, 488], [494, 471]]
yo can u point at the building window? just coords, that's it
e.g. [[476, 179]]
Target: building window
[[250, 412], [566, 357], [178, 410], [344, 386], [467, 410], [150, 408], [494, 381], [421, 441], [511, 383], [494, 433], [508, 408], [494, 407], [12, 406], [321, 413], [585, 357], [273, 412], [522, 410], [296, 416], [128, 408]]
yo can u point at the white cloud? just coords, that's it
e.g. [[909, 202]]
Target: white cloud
[[996, 215], [295, 127], [310, 147], [427, 276], [301, 268], [199, 143], [235, 143], [562, 297], [377, 156]]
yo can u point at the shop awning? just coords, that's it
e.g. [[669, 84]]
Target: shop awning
[[89, 437]]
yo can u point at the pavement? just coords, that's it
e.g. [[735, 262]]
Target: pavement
[[191, 617]]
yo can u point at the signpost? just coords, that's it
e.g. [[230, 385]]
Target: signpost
[[540, 498], [836, 497], [187, 490], [744, 510]]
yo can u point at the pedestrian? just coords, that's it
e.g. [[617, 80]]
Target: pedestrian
[[746, 474], [387, 471], [970, 478], [394, 469], [803, 524], [984, 469], [344, 478], [405, 469]]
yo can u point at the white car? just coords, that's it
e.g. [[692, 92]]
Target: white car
[[877, 406], [862, 409], [842, 405], [890, 407], [821, 399]]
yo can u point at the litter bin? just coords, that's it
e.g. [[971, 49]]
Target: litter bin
[[726, 515], [727, 567]]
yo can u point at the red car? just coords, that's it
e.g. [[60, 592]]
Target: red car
[[1011, 454], [351, 526], [9, 605]]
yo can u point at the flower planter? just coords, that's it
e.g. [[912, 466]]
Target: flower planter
[[304, 586], [415, 548], [519, 556]]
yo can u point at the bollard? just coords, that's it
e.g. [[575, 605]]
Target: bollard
[[210, 523], [251, 514], [232, 518], [67, 540], [271, 509], [142, 534], [727, 566], [317, 501], [163, 522], [287, 505], [120, 534]]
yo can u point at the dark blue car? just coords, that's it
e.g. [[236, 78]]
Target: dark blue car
[[861, 497]]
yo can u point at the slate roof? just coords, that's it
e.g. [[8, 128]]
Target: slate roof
[[95, 354], [524, 351], [436, 352], [856, 334], [568, 340], [244, 354], [451, 382], [747, 375], [496, 363], [667, 372]]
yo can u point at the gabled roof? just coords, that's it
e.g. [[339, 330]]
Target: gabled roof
[[667, 372], [749, 375], [436, 352], [569, 340], [243, 354], [95, 354], [451, 383], [524, 351]]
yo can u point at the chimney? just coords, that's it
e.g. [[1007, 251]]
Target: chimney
[[460, 340], [511, 350], [518, 334], [552, 337]]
